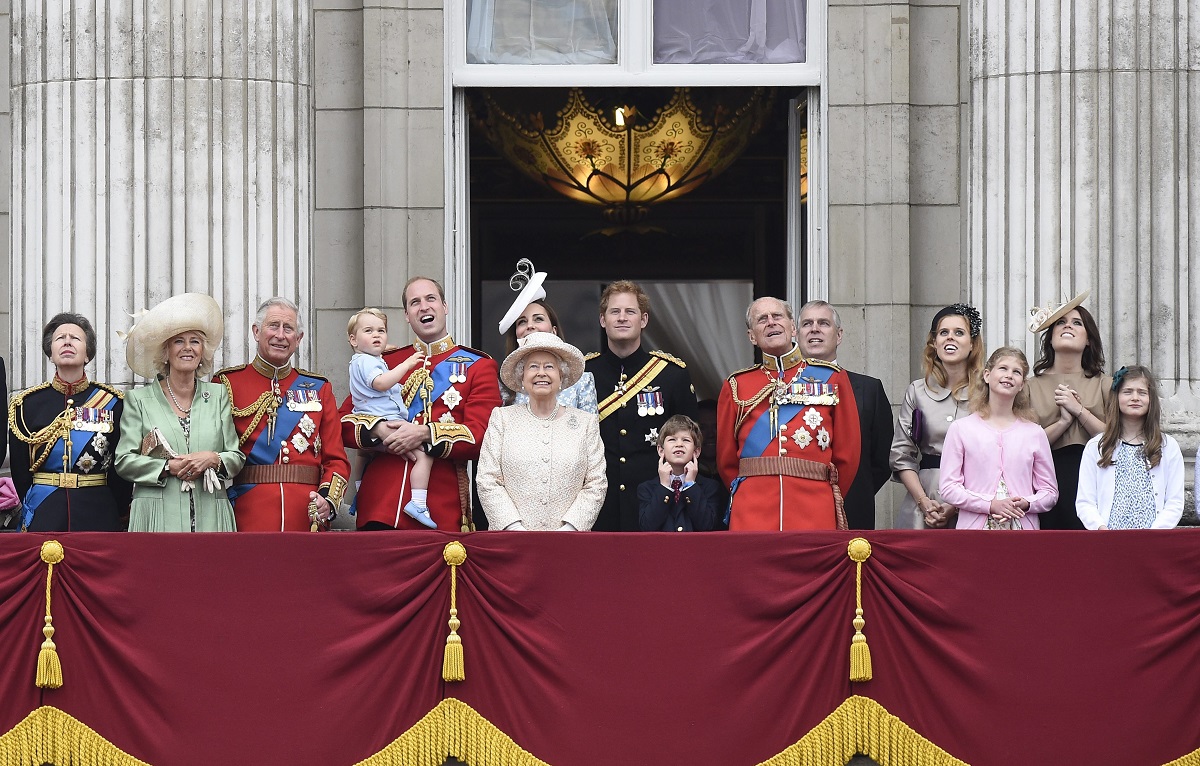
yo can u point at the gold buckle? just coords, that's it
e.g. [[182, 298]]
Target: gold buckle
[[68, 480]]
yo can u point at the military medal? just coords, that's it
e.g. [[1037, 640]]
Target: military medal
[[458, 372]]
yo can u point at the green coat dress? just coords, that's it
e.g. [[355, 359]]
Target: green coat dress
[[158, 503]]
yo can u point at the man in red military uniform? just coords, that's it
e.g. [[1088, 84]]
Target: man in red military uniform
[[289, 427], [455, 397], [787, 432]]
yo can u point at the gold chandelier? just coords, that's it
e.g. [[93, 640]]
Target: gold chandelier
[[616, 155]]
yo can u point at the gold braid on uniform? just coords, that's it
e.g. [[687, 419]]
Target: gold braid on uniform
[[419, 383], [261, 406], [745, 406], [45, 437]]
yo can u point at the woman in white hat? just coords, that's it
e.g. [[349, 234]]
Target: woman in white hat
[[178, 444], [1069, 392], [541, 465], [530, 313]]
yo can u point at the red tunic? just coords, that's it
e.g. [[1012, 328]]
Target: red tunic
[[458, 412], [822, 433], [313, 439]]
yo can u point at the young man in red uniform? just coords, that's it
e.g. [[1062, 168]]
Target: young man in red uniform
[[455, 398], [787, 433], [289, 427]]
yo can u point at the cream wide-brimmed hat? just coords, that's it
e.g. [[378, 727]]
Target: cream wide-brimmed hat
[[570, 358], [1043, 317], [529, 283], [180, 313]]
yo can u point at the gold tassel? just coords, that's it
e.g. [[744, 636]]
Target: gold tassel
[[452, 663], [49, 668], [859, 551]]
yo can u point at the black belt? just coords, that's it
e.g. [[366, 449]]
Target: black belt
[[931, 461]]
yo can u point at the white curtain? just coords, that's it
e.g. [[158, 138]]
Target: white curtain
[[729, 31], [703, 323], [541, 31]]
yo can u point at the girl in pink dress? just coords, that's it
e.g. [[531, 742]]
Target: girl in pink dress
[[996, 463]]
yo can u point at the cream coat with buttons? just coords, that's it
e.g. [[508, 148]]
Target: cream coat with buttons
[[541, 473]]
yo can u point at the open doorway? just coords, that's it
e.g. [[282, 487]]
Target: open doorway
[[701, 256]]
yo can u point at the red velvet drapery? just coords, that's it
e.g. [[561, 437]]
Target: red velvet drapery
[[599, 649]]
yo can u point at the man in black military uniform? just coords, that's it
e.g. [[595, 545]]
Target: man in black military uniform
[[637, 391]]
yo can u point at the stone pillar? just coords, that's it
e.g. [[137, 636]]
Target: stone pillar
[[158, 148], [1082, 175]]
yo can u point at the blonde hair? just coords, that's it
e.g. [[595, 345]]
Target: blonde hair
[[936, 371], [352, 325], [981, 393], [207, 353]]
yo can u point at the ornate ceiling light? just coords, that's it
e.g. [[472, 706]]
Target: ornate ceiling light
[[617, 154]]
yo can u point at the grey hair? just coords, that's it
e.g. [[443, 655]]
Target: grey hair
[[206, 356], [837, 318], [282, 303], [787, 307], [563, 365]]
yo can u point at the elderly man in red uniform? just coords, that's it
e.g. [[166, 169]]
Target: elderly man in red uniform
[[787, 432], [288, 426], [458, 390]]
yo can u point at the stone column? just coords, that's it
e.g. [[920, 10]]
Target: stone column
[[1083, 119], [158, 148]]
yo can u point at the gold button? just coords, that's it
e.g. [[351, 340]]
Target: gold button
[[666, 499], [782, 451], [285, 458], [623, 432], [679, 529], [624, 403], [622, 460], [622, 487]]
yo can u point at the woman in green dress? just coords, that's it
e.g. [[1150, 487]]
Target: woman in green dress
[[178, 445]]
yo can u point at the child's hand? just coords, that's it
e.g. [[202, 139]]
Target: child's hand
[[1005, 508], [412, 363], [689, 473], [664, 473]]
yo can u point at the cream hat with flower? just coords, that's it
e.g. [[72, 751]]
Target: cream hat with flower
[[195, 312], [569, 356], [1043, 317]]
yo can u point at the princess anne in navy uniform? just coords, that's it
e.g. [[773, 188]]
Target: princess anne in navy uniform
[[62, 436]]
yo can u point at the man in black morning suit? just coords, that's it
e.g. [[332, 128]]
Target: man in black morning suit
[[820, 334], [637, 391]]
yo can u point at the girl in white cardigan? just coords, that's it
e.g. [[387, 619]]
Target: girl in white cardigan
[[1131, 476]]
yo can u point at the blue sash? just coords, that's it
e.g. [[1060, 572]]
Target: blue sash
[[266, 451], [760, 433], [457, 362], [53, 463]]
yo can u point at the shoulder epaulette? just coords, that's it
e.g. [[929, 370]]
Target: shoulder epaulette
[[590, 356], [111, 389], [735, 373], [669, 358], [227, 370], [482, 354], [18, 396], [309, 374], [823, 363]]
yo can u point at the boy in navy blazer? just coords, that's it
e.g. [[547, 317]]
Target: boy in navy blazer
[[679, 500]]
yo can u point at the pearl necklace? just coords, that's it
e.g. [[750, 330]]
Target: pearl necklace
[[551, 416], [179, 406]]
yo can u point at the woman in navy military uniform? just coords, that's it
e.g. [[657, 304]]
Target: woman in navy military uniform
[[62, 436]]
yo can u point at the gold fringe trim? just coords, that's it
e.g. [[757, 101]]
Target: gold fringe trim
[[1191, 759], [862, 725], [452, 728], [48, 735], [859, 551]]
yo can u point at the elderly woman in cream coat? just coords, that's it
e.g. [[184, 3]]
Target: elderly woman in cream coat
[[541, 465], [178, 444]]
